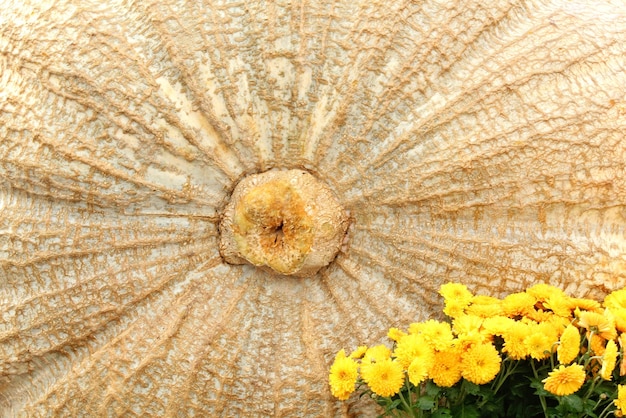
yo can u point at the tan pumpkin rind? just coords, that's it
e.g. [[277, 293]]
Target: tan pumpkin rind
[[471, 141]]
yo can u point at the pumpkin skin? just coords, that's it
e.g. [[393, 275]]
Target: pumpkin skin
[[469, 142]]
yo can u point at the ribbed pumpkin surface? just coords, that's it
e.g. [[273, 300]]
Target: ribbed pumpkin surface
[[471, 141]]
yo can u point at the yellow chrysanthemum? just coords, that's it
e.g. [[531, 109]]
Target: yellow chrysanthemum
[[565, 380], [343, 376], [359, 352], [538, 345], [560, 305], [395, 334], [456, 297], [548, 329], [620, 402], [456, 292], [539, 315], [616, 303], [466, 340], [418, 371], [569, 345], [437, 334], [619, 315], [518, 304], [601, 324], [557, 324], [469, 331], [498, 325], [609, 360], [454, 308], [413, 346], [542, 291], [465, 324], [385, 377], [377, 353], [622, 345], [514, 340], [446, 369], [481, 363], [484, 306], [585, 304], [597, 345], [616, 299]]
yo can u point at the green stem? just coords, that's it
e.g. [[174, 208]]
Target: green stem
[[510, 369], [542, 399], [408, 408], [606, 411], [592, 386]]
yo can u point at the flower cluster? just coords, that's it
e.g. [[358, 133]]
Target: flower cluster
[[534, 353]]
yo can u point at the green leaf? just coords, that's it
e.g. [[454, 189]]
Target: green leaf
[[426, 403], [570, 404], [432, 389], [442, 413], [539, 389], [471, 388], [465, 411]]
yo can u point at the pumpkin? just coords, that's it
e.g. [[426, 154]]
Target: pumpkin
[[470, 141]]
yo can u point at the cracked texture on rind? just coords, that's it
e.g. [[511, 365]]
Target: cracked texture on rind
[[471, 141]]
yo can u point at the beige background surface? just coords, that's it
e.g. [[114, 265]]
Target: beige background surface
[[472, 141]]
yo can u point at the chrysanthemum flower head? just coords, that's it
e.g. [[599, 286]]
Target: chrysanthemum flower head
[[543, 291], [620, 402], [559, 304], [465, 324], [518, 304], [376, 353], [411, 347], [456, 298], [343, 376], [597, 344], [470, 339], [619, 315], [395, 334], [484, 306], [418, 371], [469, 331], [497, 325], [538, 345], [557, 324], [453, 308], [569, 345], [436, 333], [514, 340], [446, 369], [359, 352], [565, 380], [609, 360], [548, 329], [601, 324], [457, 292], [481, 363], [616, 299], [584, 304], [622, 345], [385, 377]]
